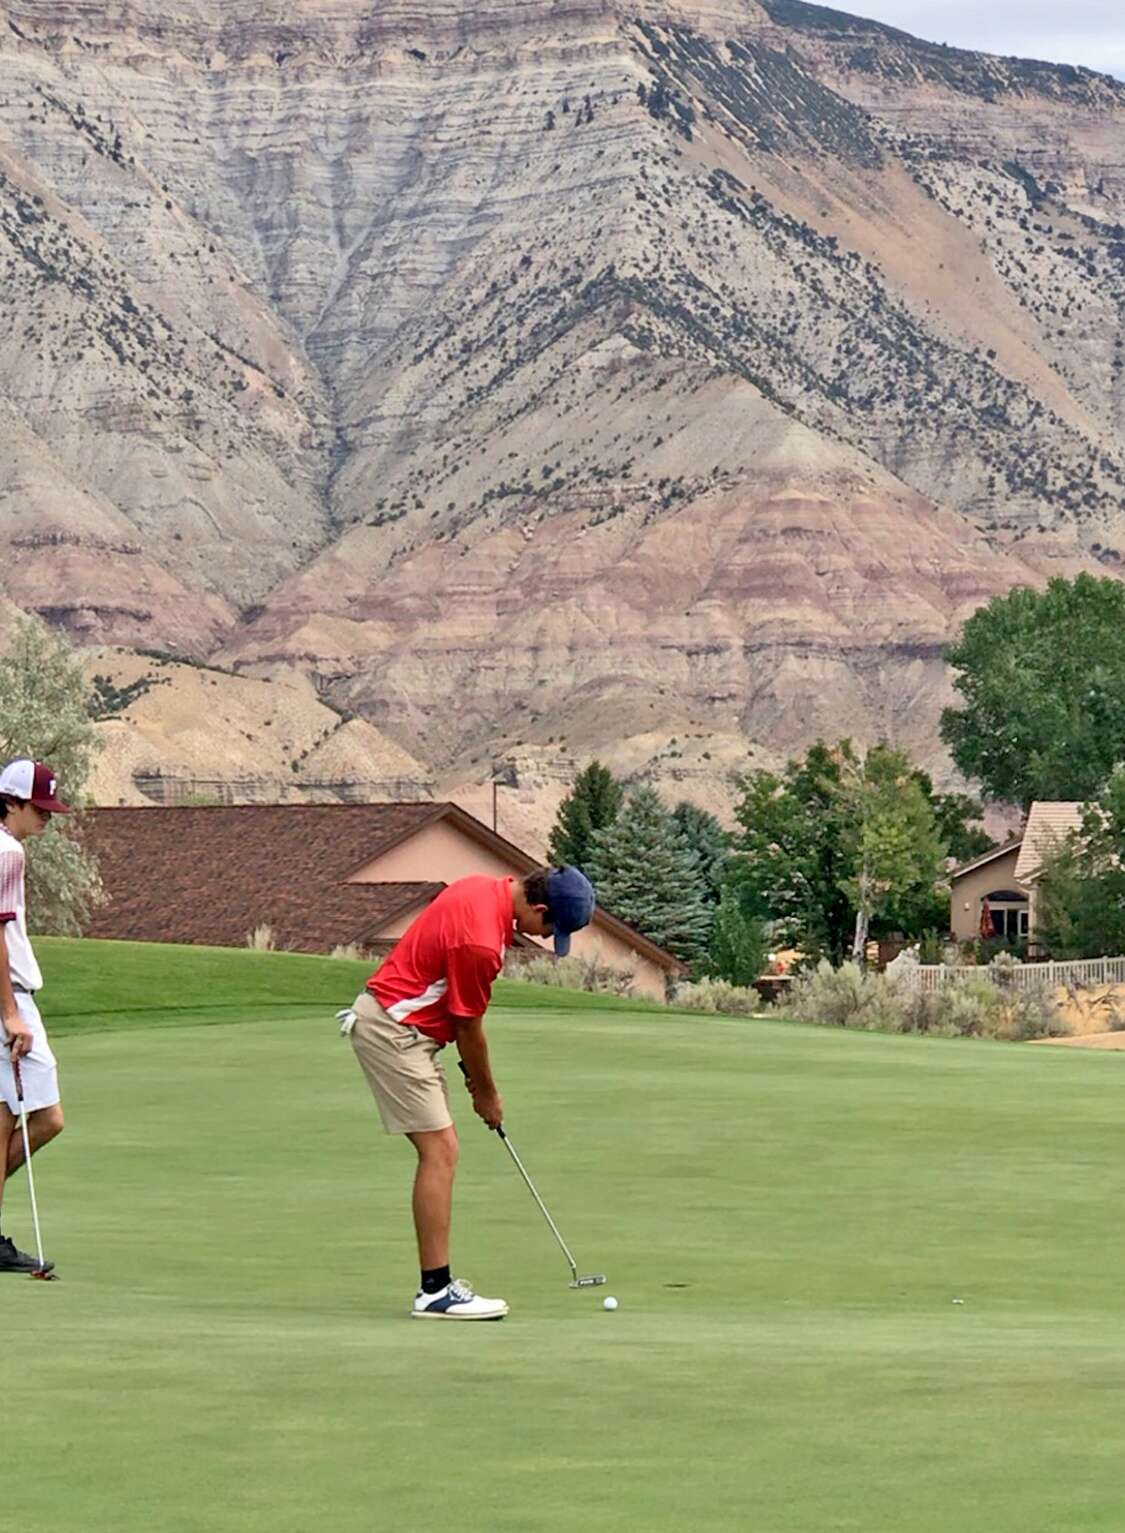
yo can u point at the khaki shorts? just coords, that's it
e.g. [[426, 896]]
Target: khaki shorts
[[402, 1069]]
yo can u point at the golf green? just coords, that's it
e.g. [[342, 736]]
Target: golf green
[[865, 1282]]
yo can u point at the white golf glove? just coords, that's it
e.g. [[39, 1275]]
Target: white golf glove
[[347, 1020]]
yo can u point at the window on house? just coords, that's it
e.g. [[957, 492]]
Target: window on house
[[1009, 911]]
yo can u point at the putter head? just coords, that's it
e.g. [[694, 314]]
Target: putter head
[[589, 1282], [44, 1276]]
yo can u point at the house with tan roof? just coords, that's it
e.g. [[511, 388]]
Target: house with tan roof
[[1049, 823], [318, 875], [995, 892]]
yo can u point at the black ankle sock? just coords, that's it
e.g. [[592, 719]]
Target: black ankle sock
[[435, 1280]]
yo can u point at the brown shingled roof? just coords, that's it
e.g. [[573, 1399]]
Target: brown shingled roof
[[211, 875]]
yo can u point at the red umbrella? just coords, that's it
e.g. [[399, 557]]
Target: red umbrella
[[987, 928]]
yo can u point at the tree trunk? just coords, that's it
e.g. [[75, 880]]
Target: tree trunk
[[859, 944]]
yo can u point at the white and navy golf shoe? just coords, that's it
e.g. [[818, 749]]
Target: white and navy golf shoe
[[457, 1301]]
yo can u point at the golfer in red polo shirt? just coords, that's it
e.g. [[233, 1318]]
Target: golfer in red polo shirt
[[433, 989]]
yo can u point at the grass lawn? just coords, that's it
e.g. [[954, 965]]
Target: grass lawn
[[786, 1214], [108, 986]]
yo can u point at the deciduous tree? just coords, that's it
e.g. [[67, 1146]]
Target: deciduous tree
[[739, 944], [839, 845], [45, 704], [791, 860], [1080, 899], [890, 838], [1042, 680]]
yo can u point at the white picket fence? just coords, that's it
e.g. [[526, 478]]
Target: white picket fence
[[1082, 974]]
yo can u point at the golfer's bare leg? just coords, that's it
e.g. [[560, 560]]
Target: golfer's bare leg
[[433, 1194], [42, 1126]]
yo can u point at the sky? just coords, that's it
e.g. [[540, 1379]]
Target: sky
[[1090, 32]]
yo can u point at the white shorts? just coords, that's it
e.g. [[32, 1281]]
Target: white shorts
[[38, 1070]]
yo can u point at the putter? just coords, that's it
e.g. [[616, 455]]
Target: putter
[[41, 1271], [592, 1281]]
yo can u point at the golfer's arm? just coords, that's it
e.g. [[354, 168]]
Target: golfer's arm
[[8, 1009], [473, 1049]]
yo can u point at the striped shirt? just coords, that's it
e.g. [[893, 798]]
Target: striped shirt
[[22, 966]]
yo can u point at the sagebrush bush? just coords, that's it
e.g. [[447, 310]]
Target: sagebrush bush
[[845, 997], [348, 950], [717, 997], [973, 1007], [968, 1009], [571, 973]]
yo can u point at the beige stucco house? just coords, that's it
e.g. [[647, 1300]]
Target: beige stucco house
[[318, 875], [1005, 878], [990, 877]]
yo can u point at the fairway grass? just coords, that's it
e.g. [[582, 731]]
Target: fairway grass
[[229, 1346], [113, 986]]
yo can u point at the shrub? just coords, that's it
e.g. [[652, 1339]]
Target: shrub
[[1033, 1014], [348, 950], [984, 1005], [572, 973], [966, 1009], [1100, 1009], [931, 947], [261, 939], [718, 997], [845, 997]]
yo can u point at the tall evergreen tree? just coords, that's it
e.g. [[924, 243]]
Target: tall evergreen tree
[[702, 832], [645, 875], [590, 806], [45, 706]]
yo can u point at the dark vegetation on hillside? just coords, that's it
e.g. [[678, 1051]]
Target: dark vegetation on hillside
[[876, 48], [727, 283]]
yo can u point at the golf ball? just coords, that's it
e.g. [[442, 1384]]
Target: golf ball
[[610, 1303]]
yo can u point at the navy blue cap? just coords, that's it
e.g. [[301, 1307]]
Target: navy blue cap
[[570, 904]]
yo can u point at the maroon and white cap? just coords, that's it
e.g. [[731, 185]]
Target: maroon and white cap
[[33, 782]]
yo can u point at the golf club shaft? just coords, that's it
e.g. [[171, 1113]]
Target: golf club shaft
[[542, 1206], [530, 1184], [27, 1161]]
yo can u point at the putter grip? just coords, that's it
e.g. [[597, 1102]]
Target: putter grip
[[499, 1129]]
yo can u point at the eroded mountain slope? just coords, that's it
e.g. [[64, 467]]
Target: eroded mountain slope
[[615, 375]]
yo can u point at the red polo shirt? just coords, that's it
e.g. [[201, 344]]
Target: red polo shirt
[[443, 966]]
